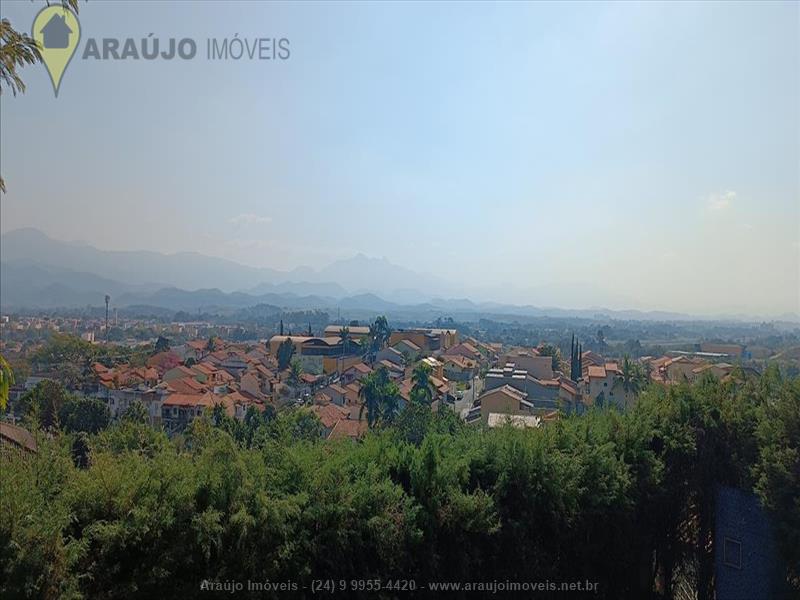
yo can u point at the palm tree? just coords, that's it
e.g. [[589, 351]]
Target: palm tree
[[390, 402], [631, 379], [379, 396], [378, 335], [421, 391], [370, 401], [381, 331], [17, 50], [344, 335], [371, 343], [365, 348], [6, 381]]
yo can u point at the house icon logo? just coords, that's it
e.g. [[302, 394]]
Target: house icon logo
[[57, 32]]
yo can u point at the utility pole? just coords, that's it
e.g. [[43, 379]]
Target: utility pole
[[108, 299]]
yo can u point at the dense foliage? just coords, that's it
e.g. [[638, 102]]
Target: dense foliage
[[621, 499]]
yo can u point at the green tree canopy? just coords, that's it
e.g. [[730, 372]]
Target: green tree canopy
[[85, 415], [6, 381], [422, 389], [380, 398], [553, 352], [43, 403], [285, 353]]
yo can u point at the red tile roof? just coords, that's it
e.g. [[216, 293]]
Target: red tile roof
[[191, 400], [360, 367], [309, 378], [408, 343], [17, 436], [186, 386], [596, 371], [329, 414], [460, 361], [338, 389], [506, 390], [348, 428]]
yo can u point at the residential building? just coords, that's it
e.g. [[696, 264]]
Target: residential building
[[336, 393], [348, 429], [392, 355], [734, 351], [178, 410], [355, 372], [329, 415], [410, 350], [459, 368], [356, 332], [465, 349], [503, 400], [436, 366], [537, 366], [544, 393], [428, 340]]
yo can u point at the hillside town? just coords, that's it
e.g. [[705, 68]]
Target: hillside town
[[351, 377], [400, 300]]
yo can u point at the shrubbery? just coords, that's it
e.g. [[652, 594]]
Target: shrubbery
[[622, 499]]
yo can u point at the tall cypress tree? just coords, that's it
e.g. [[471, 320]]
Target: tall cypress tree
[[572, 358]]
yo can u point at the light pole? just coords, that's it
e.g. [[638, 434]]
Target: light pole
[[108, 299]]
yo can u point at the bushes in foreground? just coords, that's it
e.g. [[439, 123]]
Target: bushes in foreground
[[622, 499]]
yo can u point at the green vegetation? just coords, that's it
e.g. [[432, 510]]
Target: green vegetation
[[6, 381], [344, 334], [632, 378], [285, 353], [379, 332], [18, 49], [575, 359], [162, 344], [68, 358], [554, 353], [421, 391], [295, 372], [624, 499], [380, 398]]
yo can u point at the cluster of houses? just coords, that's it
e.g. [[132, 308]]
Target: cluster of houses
[[453, 366], [485, 382], [523, 389], [179, 384], [678, 367], [523, 383]]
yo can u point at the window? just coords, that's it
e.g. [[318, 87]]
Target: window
[[732, 553]]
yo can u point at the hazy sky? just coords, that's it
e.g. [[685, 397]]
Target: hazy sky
[[627, 155]]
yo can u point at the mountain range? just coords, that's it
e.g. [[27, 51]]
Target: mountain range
[[40, 272]]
